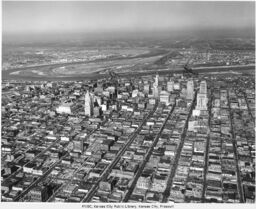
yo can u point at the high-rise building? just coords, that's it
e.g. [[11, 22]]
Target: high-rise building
[[170, 86], [202, 99], [201, 102], [88, 104], [155, 92], [190, 89], [156, 80], [203, 87], [155, 87]]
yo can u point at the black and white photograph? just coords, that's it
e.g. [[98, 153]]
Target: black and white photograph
[[128, 104]]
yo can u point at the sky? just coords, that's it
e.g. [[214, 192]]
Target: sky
[[88, 17]]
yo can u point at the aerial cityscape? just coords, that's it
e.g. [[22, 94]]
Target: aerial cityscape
[[145, 117]]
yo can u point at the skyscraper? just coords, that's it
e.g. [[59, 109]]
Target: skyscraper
[[201, 102], [203, 87], [190, 89], [202, 97], [155, 87], [88, 104], [156, 80]]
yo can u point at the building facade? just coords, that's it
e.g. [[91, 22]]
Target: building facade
[[88, 104]]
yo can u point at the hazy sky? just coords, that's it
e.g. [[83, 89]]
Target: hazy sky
[[51, 17]]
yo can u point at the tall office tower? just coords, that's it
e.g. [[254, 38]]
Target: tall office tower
[[156, 79], [88, 104], [190, 89], [202, 97], [170, 85], [155, 91], [201, 102], [78, 146], [203, 87], [155, 87]]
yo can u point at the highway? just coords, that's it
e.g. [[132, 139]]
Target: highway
[[207, 148], [166, 193], [239, 183], [146, 159], [106, 172]]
